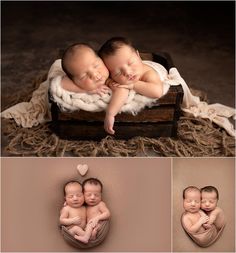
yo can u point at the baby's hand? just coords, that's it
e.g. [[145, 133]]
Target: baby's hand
[[100, 91], [112, 84], [109, 123], [206, 225], [93, 222], [204, 219], [76, 220]]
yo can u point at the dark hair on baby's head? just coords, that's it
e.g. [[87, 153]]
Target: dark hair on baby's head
[[69, 52], [70, 182], [92, 180], [112, 45], [210, 188], [190, 188]]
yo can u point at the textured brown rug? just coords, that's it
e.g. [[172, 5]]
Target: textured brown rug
[[196, 138]]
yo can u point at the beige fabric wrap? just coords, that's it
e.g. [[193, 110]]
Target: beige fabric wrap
[[206, 238], [101, 235]]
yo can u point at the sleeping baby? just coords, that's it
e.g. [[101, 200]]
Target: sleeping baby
[[193, 218], [96, 209], [73, 214], [209, 200]]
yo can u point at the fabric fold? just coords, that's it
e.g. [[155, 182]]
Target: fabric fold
[[101, 235], [206, 238]]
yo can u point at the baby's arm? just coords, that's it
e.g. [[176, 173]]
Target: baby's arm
[[69, 85], [64, 220], [104, 214], [195, 227], [213, 216], [118, 98], [150, 85], [217, 218]]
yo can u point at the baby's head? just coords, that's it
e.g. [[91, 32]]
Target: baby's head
[[192, 199], [84, 67], [210, 197], [122, 60], [73, 194], [92, 189]]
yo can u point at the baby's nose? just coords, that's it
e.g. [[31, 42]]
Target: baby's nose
[[128, 73]]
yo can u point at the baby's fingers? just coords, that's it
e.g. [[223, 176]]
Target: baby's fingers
[[109, 129], [123, 86], [105, 90], [115, 84]]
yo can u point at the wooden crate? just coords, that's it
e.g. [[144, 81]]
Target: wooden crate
[[160, 120]]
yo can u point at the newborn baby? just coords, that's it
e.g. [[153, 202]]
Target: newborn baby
[[73, 214], [193, 218], [97, 210], [209, 200]]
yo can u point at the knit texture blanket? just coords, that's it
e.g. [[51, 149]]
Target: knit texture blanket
[[70, 101], [37, 111], [206, 238], [101, 235]]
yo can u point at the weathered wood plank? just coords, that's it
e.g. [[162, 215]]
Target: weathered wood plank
[[95, 130]]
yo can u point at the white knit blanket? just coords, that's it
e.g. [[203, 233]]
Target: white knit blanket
[[71, 101], [37, 111]]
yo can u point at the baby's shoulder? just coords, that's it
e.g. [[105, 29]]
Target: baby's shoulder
[[149, 74], [187, 216], [218, 210], [65, 209], [101, 203]]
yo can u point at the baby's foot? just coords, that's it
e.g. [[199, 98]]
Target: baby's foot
[[93, 237], [206, 226], [94, 234], [81, 238]]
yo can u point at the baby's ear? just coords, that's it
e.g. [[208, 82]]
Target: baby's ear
[[139, 56]]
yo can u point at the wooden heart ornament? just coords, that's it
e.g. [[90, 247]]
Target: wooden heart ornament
[[82, 169]]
